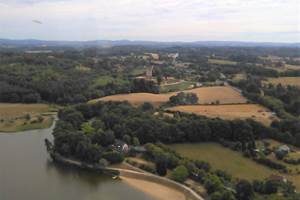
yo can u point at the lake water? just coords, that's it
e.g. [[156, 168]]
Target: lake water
[[27, 173]]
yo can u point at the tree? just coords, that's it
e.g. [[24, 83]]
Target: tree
[[271, 186], [183, 99], [104, 138], [135, 141], [244, 190], [161, 168], [213, 184], [180, 174], [113, 157]]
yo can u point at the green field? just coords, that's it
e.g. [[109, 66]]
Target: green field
[[228, 160], [176, 87], [103, 80], [225, 159], [21, 117]]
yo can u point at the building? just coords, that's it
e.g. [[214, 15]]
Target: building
[[284, 148], [120, 146]]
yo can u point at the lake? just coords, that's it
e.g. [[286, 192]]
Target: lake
[[28, 173]]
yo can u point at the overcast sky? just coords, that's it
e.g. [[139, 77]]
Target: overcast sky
[[156, 20]]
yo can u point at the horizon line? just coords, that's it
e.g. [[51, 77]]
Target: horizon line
[[154, 41]]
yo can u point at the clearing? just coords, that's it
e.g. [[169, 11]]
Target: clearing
[[206, 95], [230, 112], [20, 117]]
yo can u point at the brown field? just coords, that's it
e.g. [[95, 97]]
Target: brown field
[[243, 111], [239, 77], [285, 81], [13, 116], [206, 95]]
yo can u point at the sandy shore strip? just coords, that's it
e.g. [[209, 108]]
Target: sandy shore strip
[[157, 191]]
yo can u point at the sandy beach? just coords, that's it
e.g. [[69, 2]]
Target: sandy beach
[[158, 191]]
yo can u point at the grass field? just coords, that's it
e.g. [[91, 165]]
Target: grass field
[[176, 86], [228, 160], [285, 81], [103, 80], [221, 62], [206, 95], [242, 111], [20, 117]]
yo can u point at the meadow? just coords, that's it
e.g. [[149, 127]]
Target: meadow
[[230, 112], [206, 95], [230, 161], [20, 117]]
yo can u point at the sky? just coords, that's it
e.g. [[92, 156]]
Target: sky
[[153, 20]]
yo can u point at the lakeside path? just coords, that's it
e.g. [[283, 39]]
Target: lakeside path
[[160, 188]]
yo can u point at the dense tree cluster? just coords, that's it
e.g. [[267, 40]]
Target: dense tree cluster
[[183, 98]]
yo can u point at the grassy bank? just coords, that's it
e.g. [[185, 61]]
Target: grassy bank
[[21, 117]]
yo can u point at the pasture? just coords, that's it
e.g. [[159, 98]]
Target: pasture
[[20, 117], [230, 112], [230, 161], [206, 95], [285, 81], [223, 158]]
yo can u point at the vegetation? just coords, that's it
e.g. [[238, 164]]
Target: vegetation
[[20, 117]]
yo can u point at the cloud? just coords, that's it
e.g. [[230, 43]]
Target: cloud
[[152, 19]]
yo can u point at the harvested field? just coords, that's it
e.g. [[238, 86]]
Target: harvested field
[[20, 117], [242, 111], [285, 81], [206, 95]]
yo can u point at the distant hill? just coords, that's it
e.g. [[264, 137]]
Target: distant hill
[[109, 43]]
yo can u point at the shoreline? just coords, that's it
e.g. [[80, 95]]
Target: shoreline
[[160, 188]]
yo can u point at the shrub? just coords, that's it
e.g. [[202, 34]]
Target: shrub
[[180, 174]]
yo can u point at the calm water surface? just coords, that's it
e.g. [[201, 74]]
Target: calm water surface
[[27, 173]]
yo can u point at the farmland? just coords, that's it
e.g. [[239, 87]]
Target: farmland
[[228, 160], [20, 117], [206, 95], [242, 111], [285, 81]]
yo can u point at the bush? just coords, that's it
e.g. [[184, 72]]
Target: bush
[[180, 174]]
